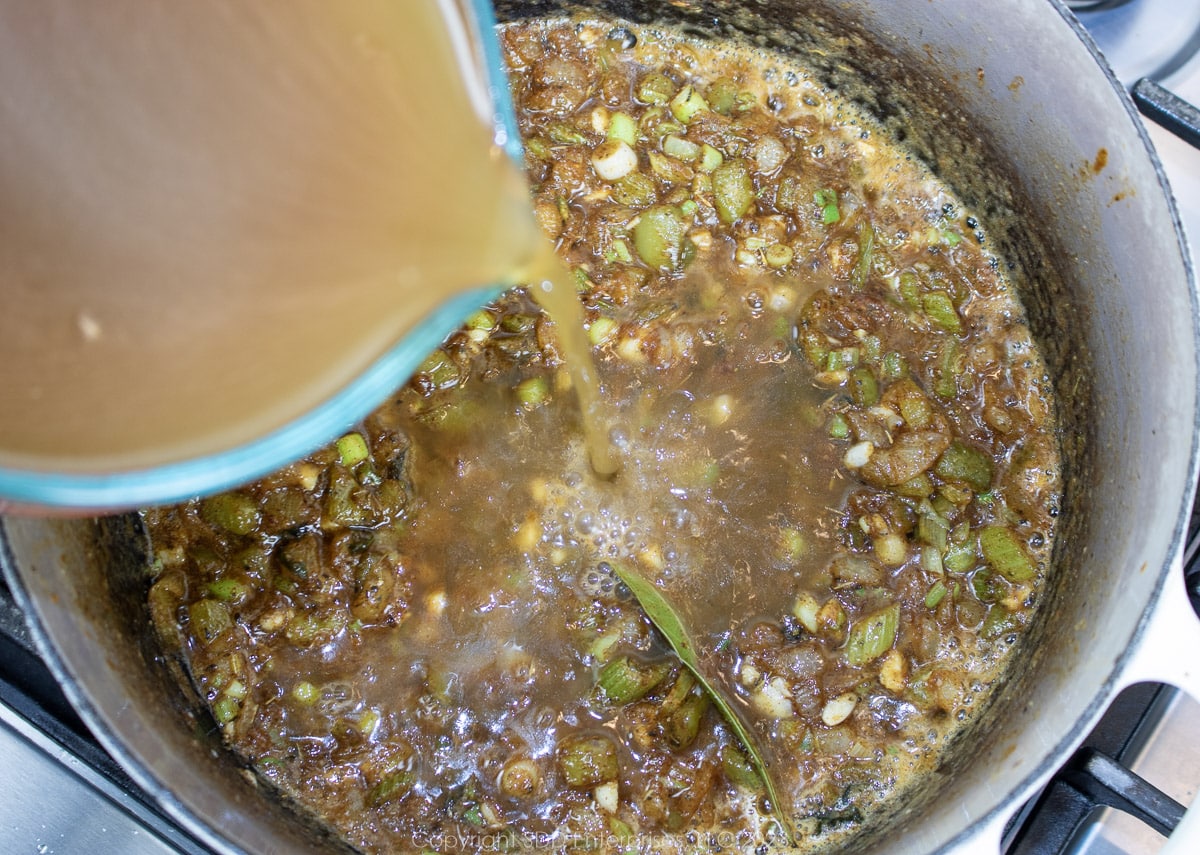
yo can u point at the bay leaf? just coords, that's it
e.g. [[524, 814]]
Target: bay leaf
[[667, 620]]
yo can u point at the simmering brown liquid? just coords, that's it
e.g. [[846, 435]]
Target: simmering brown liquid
[[218, 214]]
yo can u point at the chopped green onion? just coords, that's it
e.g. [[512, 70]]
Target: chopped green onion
[[960, 559], [933, 530], [635, 190], [601, 330], [229, 590], [864, 388], [226, 709], [778, 255], [391, 787], [306, 693], [208, 619], [684, 723]]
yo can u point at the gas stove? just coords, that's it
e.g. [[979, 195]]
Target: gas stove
[[1125, 787]]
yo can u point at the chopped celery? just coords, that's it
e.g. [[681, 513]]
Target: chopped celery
[[237, 513], [936, 594], [659, 236], [1005, 554], [532, 392], [872, 636], [687, 104], [586, 760], [624, 680], [733, 190], [621, 126], [864, 388], [722, 94], [655, 88], [961, 462], [939, 308], [352, 449]]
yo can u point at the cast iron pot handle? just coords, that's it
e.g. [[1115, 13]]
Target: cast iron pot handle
[[1172, 112]]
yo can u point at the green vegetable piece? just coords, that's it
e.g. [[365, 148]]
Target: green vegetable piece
[[683, 726], [864, 388], [586, 760], [778, 255], [439, 370], [963, 463], [229, 590], [392, 787], [621, 126], [680, 147], [939, 308], [710, 158], [827, 199], [341, 509], [688, 104], [722, 95], [936, 594], [733, 190], [873, 635], [892, 367], [635, 190], [226, 709], [306, 693], [564, 134], [658, 237], [839, 428], [532, 392], [208, 619], [655, 88], [738, 769], [961, 558], [1004, 553], [999, 621], [933, 530], [624, 680], [352, 449], [237, 513], [667, 621]]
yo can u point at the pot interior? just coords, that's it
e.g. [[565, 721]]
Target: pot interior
[[1012, 110]]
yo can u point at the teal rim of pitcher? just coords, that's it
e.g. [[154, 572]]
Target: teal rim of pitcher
[[233, 467]]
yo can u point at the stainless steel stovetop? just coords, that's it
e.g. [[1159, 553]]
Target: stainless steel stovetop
[[60, 794]]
